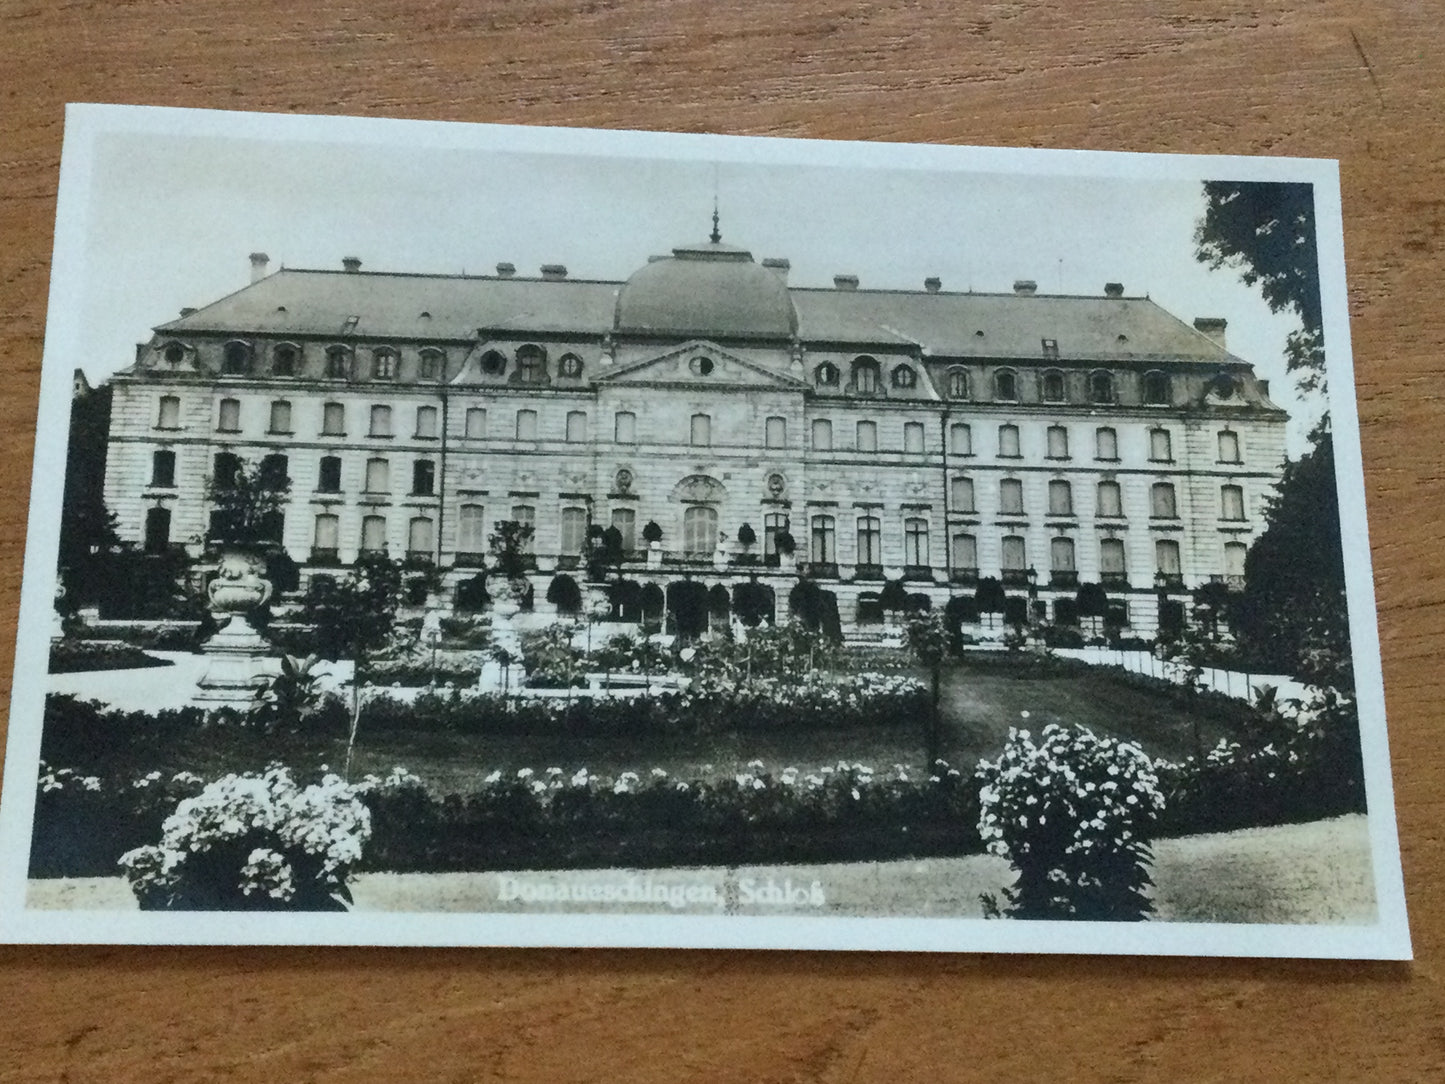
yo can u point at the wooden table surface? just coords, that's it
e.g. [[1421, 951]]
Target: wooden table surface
[[1355, 81]]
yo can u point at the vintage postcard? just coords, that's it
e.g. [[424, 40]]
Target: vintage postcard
[[460, 534]]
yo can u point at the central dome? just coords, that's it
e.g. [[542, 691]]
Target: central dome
[[707, 290]]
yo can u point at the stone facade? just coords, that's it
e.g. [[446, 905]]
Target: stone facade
[[925, 435]]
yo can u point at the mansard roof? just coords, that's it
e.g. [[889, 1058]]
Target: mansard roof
[[382, 306]]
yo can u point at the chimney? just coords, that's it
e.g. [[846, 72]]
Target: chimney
[[1263, 386], [845, 282], [186, 312], [351, 263], [1025, 287], [1113, 289], [506, 270], [932, 284], [1211, 326], [780, 265], [553, 272], [259, 260]]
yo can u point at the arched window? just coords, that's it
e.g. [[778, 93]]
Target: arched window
[[1161, 501], [1106, 444], [338, 362], [328, 477], [1156, 388], [168, 415], [576, 426], [380, 421], [822, 435], [865, 375], [1061, 498], [960, 438], [476, 423], [378, 476], [1111, 500], [570, 366], [866, 439], [574, 531], [373, 534], [700, 433], [284, 357], [1160, 446], [913, 438], [472, 529], [426, 422], [531, 364], [163, 469], [1011, 497], [383, 364], [1053, 386], [333, 420], [915, 542], [1229, 446], [423, 477], [228, 416], [903, 376], [1058, 442], [431, 363], [493, 363], [775, 433], [280, 416], [826, 375], [236, 358], [1101, 387], [526, 425], [960, 496], [1231, 500], [870, 540], [158, 530], [1008, 441], [624, 427], [958, 383], [1006, 386], [699, 530], [823, 547]]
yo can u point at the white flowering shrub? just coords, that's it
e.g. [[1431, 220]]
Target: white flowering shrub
[[1074, 813], [255, 842]]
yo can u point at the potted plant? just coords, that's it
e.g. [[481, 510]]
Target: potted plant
[[652, 535], [747, 538]]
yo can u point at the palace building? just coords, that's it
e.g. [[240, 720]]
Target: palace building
[[938, 437]]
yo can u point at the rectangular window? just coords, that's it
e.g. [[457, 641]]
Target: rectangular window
[[1008, 442], [280, 416], [1166, 556], [1014, 556], [1111, 558], [1011, 497], [915, 542], [1160, 446], [420, 537], [229, 417], [328, 532], [1111, 502], [328, 479], [576, 426], [574, 531], [776, 435], [961, 495], [1106, 445], [1231, 499], [526, 515], [476, 424], [624, 427], [1061, 498], [867, 436], [1058, 442], [1061, 555], [333, 420], [169, 414], [373, 534], [699, 530], [426, 422], [378, 476], [625, 520], [822, 435], [700, 431], [774, 524], [338, 363], [913, 438], [423, 477], [472, 529], [163, 469], [870, 540], [960, 438], [1234, 555], [1229, 446], [965, 553], [824, 549], [380, 421], [1162, 501], [526, 425]]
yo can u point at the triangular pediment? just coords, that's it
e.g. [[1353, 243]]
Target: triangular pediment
[[700, 363]]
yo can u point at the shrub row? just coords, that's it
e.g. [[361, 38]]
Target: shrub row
[[73, 656]]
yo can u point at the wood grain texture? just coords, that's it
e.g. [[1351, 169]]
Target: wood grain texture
[[1361, 82]]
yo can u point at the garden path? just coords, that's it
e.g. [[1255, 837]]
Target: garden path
[[1236, 683]]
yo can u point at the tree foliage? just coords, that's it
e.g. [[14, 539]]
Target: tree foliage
[[354, 618]]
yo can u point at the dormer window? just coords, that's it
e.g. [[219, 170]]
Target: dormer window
[[236, 359], [865, 375], [338, 362], [1053, 386], [383, 365], [284, 358], [429, 366], [958, 383], [1156, 388], [493, 363], [1101, 387], [1051, 348], [1006, 386], [826, 375], [570, 365], [532, 365], [174, 353], [904, 377]]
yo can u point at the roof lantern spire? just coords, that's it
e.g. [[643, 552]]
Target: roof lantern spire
[[716, 237]]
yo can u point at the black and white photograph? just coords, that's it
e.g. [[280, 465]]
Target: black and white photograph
[[461, 534]]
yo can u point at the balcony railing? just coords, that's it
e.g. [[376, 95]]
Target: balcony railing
[[568, 562], [1170, 581], [420, 557], [1014, 577], [325, 555], [1234, 583], [918, 572], [826, 570], [469, 560], [868, 572], [964, 575], [1114, 579], [1063, 578]]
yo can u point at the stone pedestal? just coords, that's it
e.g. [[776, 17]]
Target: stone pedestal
[[654, 555], [495, 676], [240, 664]]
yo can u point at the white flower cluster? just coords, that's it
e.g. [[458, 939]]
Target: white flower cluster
[[322, 826], [63, 779]]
